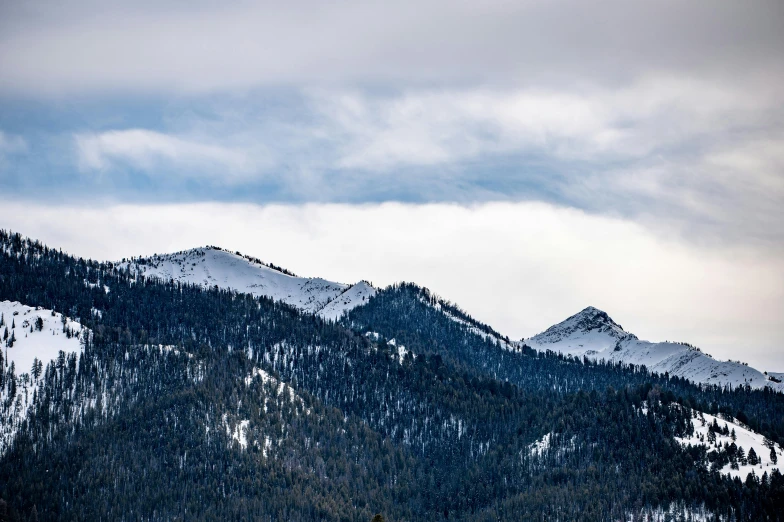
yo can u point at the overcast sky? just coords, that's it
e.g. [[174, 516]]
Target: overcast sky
[[523, 159]]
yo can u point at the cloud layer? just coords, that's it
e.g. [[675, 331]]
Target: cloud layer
[[55, 48], [679, 152]]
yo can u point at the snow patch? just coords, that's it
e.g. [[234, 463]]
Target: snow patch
[[39, 336], [540, 446], [551, 441], [672, 513], [356, 295], [744, 438], [402, 351], [283, 390], [239, 432]]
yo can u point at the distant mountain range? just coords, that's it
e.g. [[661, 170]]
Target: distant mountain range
[[590, 333], [208, 385]]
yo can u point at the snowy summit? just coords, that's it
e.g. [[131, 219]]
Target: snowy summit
[[593, 334], [212, 266]]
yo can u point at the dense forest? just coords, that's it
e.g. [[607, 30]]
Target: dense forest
[[204, 404]]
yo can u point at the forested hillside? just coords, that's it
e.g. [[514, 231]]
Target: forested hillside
[[188, 403]]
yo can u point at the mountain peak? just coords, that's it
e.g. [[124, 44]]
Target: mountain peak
[[213, 266], [589, 319], [593, 314]]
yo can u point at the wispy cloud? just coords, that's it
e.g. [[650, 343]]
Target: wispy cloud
[[155, 151], [429, 127], [10, 144]]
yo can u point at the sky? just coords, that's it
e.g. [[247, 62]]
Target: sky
[[522, 159]]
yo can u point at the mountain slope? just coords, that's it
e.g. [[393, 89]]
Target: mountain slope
[[212, 266], [593, 334], [34, 338], [226, 406], [590, 333]]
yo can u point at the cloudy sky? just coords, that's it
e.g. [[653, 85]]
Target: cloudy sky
[[523, 159]]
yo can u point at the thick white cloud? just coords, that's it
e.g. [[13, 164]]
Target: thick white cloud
[[519, 267]]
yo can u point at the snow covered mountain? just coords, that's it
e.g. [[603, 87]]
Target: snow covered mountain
[[592, 333], [212, 266]]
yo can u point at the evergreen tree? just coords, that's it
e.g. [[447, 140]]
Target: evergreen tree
[[36, 369], [752, 457]]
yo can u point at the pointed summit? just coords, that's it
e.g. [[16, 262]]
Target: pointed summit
[[588, 320], [591, 333]]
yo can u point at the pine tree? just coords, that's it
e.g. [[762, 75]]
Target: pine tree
[[37, 366], [773, 457], [752, 458]]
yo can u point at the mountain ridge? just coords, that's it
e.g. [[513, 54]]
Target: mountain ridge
[[213, 266], [196, 402], [592, 333], [589, 333]]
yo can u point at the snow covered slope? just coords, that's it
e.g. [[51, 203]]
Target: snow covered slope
[[211, 266], [44, 344], [593, 334], [732, 433], [354, 296], [33, 341]]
